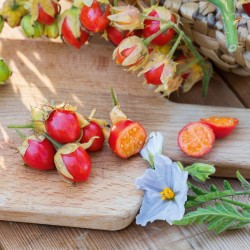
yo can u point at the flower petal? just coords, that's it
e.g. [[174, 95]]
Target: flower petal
[[149, 181], [153, 208], [180, 179], [153, 146], [175, 212], [164, 170]]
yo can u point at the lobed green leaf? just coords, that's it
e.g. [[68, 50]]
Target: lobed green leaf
[[219, 217]]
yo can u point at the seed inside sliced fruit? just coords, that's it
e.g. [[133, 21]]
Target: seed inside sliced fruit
[[131, 140], [196, 139], [127, 138]]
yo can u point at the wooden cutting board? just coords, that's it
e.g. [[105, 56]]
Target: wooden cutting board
[[109, 200]]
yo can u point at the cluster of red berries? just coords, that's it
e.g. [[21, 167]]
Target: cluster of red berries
[[64, 137], [145, 39]]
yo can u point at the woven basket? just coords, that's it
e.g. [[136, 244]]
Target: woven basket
[[202, 22]]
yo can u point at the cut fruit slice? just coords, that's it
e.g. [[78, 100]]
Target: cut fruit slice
[[222, 126], [127, 138], [196, 139]]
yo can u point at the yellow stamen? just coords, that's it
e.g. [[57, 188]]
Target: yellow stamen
[[167, 193]]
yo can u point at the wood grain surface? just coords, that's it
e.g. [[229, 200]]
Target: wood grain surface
[[158, 235], [54, 71]]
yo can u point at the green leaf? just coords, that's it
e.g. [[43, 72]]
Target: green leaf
[[214, 195], [213, 188], [244, 183], [227, 185], [197, 190], [192, 203], [180, 165], [219, 217]]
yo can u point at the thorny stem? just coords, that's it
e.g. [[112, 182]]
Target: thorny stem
[[55, 143], [114, 97], [30, 125], [207, 72], [226, 8]]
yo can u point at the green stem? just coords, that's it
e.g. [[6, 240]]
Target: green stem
[[30, 125], [176, 44], [227, 10], [152, 37], [115, 2], [207, 72], [187, 66], [22, 136], [206, 76], [225, 199], [236, 203], [55, 143], [114, 97]]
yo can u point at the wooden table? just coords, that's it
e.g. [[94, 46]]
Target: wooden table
[[225, 90]]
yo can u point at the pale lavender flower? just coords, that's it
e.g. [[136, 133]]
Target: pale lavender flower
[[165, 192], [152, 148]]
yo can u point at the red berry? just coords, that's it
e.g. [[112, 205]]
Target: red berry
[[153, 76], [45, 18], [93, 129], [246, 8], [95, 17], [127, 138], [222, 126], [116, 36], [73, 163], [38, 153], [121, 56], [63, 126], [68, 36], [196, 139], [152, 26]]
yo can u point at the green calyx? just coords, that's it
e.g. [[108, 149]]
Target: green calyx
[[31, 28], [5, 72]]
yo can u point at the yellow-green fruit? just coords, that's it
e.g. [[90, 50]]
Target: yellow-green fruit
[[12, 11], [31, 28], [52, 31], [5, 72]]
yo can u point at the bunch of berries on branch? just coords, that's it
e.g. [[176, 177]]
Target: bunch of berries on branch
[[147, 40]]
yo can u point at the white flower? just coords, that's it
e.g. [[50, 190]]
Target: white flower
[[165, 192], [152, 148]]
